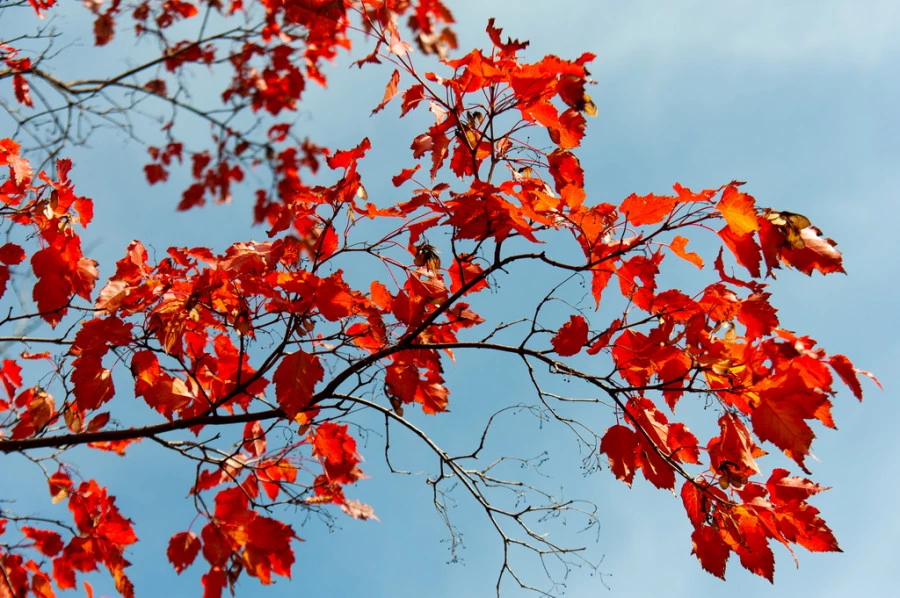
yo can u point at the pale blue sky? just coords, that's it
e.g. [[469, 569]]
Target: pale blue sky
[[799, 99]]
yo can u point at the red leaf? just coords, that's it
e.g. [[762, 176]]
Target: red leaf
[[745, 249], [104, 28], [412, 97], [278, 133], [9, 154], [405, 175], [800, 523], [295, 380], [11, 377], [53, 289], [92, 383], [213, 583], [464, 270], [571, 337], [841, 364], [337, 451], [570, 130], [155, 173], [347, 159], [733, 453], [758, 315], [755, 554], [695, 503], [183, 549], [783, 489], [47, 543], [711, 550], [22, 91], [620, 444], [781, 420]]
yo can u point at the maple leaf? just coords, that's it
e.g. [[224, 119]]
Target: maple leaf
[[745, 249], [782, 421], [738, 210], [405, 175], [849, 374], [711, 550], [389, 92], [54, 289], [758, 315], [183, 549], [337, 450], [46, 542], [783, 489], [620, 444], [571, 337], [464, 270], [695, 502], [733, 453], [295, 381], [678, 246], [104, 28], [817, 253], [22, 90], [647, 209]]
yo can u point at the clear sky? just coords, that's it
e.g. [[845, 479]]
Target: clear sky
[[800, 99]]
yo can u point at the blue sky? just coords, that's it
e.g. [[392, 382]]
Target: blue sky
[[799, 99]]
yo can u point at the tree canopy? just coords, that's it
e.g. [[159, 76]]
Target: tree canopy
[[645, 326]]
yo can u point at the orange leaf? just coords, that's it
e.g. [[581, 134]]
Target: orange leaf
[[781, 420], [647, 209], [389, 92], [678, 246], [739, 211]]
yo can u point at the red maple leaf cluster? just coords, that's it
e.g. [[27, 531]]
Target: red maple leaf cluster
[[277, 340]]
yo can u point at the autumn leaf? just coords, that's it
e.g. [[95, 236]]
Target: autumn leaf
[[695, 502], [571, 337], [783, 489], [744, 248], [19, 166], [620, 444], [295, 381], [254, 439], [389, 92], [22, 91], [405, 175], [647, 209], [738, 210], [711, 550], [183, 549], [358, 510], [678, 246], [781, 420], [46, 542]]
